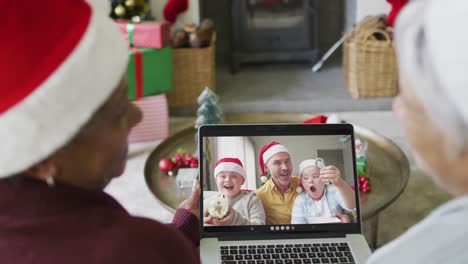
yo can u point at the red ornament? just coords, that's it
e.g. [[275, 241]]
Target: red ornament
[[363, 184], [166, 165], [188, 159], [194, 163], [181, 159]]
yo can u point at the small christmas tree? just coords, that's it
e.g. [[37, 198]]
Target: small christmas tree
[[208, 112], [136, 10]]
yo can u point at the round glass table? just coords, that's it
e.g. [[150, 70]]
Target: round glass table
[[387, 166]]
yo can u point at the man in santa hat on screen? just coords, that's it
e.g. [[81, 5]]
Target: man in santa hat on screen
[[279, 192]]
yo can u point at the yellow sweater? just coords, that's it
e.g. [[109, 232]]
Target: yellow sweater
[[278, 206]]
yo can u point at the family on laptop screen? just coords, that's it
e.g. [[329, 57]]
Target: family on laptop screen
[[318, 193]]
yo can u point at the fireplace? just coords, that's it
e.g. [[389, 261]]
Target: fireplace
[[273, 30]]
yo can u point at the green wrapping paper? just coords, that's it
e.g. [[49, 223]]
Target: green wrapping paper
[[149, 72]]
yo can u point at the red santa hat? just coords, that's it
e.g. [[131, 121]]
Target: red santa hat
[[59, 66], [229, 164], [430, 42], [266, 153]]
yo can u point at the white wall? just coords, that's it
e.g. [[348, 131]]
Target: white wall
[[371, 7], [192, 15]]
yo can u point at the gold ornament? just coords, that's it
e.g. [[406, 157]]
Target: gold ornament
[[130, 3], [119, 11]]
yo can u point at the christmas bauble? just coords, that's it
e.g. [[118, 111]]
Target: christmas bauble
[[119, 11], [194, 163], [166, 165], [218, 208], [188, 159], [130, 3], [136, 19]]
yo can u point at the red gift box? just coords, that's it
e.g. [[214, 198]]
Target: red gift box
[[153, 34], [155, 122]]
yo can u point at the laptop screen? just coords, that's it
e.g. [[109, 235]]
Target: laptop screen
[[278, 179]]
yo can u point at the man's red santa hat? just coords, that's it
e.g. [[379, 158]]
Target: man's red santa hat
[[59, 66], [268, 151], [229, 164]]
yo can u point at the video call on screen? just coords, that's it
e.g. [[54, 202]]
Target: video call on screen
[[230, 199]]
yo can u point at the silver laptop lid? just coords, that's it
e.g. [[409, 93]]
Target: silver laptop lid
[[310, 174]]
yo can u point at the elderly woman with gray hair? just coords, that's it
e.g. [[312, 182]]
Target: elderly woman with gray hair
[[431, 39]]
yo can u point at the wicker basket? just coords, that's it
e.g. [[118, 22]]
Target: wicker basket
[[369, 63], [194, 69]]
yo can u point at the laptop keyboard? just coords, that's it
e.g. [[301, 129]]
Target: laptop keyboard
[[287, 254]]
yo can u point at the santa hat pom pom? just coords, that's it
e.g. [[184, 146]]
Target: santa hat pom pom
[[264, 179], [298, 189], [333, 119]]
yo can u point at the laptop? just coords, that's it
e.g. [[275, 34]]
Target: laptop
[[331, 235]]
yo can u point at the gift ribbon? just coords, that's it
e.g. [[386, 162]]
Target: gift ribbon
[[130, 29], [138, 72], [165, 34]]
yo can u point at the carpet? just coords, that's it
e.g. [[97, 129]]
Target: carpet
[[286, 88]]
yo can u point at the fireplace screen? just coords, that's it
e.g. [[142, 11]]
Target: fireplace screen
[[275, 14], [273, 30]]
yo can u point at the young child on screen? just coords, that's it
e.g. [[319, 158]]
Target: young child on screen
[[231, 205], [326, 195]]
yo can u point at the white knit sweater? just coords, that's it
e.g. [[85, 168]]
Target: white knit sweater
[[442, 237]]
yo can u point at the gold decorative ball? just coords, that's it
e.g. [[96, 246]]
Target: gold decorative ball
[[119, 11], [130, 3]]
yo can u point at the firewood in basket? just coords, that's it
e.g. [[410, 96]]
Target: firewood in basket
[[180, 39]]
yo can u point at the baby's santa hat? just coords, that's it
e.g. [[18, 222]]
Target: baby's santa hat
[[318, 162], [59, 66], [266, 153], [229, 164]]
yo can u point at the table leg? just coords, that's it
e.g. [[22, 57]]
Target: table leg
[[370, 228]]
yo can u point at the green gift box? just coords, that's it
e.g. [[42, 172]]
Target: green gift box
[[149, 72]]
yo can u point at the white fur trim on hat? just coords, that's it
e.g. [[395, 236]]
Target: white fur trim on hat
[[272, 151], [318, 162], [53, 114], [430, 40], [299, 189], [229, 166]]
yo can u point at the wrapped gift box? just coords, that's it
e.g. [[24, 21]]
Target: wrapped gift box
[[155, 122], [153, 34], [149, 72]]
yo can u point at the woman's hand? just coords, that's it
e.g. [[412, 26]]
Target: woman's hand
[[331, 174], [193, 202], [227, 220]]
